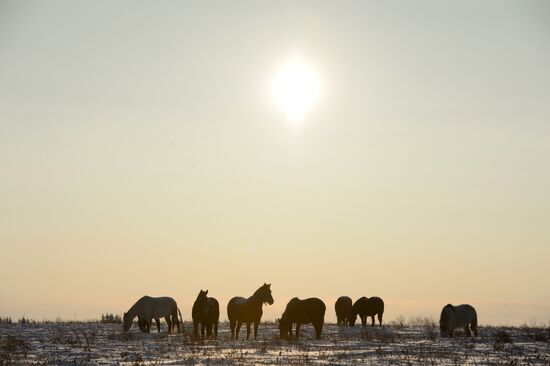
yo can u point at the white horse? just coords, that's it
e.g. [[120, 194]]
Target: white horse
[[459, 316], [148, 308]]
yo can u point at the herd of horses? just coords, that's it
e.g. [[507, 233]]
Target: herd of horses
[[240, 310]]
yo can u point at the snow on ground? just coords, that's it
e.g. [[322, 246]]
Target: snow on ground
[[102, 344]]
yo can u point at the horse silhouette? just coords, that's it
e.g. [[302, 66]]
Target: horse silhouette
[[343, 307], [241, 310], [308, 311], [206, 312], [459, 316], [365, 307], [148, 308]]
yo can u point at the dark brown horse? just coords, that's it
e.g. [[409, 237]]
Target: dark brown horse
[[308, 311], [343, 308], [206, 312], [241, 310], [365, 307], [459, 316]]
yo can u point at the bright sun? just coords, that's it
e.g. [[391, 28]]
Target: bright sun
[[295, 88]]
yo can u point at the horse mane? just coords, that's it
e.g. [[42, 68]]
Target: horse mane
[[132, 310], [257, 292]]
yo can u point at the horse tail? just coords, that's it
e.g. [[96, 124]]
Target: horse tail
[[181, 318], [473, 325]]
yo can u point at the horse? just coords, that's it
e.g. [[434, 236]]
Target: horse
[[148, 308], [241, 310], [343, 308], [308, 311], [206, 311], [365, 307], [453, 317]]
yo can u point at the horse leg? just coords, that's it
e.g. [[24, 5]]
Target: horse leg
[[380, 319], [232, 325], [363, 320], [451, 331], [238, 328], [157, 320], [297, 330], [196, 329], [474, 326], [202, 329], [467, 330], [169, 322], [318, 329], [176, 321], [216, 329], [372, 320], [256, 324], [247, 330]]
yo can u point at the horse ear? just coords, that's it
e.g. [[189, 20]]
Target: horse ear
[[278, 320], [206, 292], [269, 285]]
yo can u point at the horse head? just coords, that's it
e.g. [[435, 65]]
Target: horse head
[[284, 328], [446, 314], [128, 321], [265, 294], [202, 301]]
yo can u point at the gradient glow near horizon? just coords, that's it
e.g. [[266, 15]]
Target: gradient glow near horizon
[[141, 153]]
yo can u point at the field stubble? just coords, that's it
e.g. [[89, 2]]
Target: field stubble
[[417, 343]]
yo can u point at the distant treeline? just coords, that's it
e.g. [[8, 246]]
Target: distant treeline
[[105, 319], [110, 318], [22, 320]]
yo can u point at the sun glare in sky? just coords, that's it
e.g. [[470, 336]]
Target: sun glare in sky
[[295, 88]]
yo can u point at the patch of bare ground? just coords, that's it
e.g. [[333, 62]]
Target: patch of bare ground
[[412, 343]]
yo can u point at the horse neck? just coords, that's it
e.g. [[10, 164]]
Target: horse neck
[[255, 299], [133, 312]]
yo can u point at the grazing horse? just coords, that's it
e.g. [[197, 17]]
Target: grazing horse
[[241, 310], [459, 316], [343, 308], [148, 308], [206, 312], [308, 311], [365, 307]]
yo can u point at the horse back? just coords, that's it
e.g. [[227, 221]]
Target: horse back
[[368, 306], [465, 314], [305, 311], [237, 309], [214, 305], [376, 305], [163, 306], [343, 306]]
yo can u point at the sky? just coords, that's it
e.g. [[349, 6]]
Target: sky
[[141, 153]]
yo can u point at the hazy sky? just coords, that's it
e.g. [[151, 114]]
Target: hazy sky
[[141, 153]]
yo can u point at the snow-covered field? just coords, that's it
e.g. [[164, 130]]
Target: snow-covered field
[[94, 343]]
